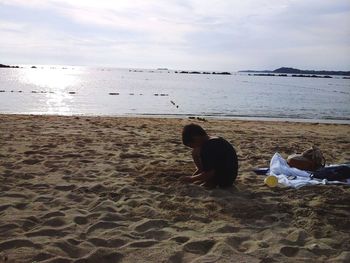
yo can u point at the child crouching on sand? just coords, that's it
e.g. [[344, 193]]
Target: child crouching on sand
[[214, 157]]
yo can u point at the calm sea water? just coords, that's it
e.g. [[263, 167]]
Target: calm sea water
[[98, 91]]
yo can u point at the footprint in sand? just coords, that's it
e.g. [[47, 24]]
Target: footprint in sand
[[44, 199], [65, 187], [297, 237], [55, 222], [27, 176], [80, 220], [236, 242], [199, 246], [47, 232], [17, 243], [289, 251], [14, 195], [42, 257], [69, 249], [31, 161], [112, 217], [143, 243], [176, 258], [131, 155], [101, 255], [59, 260], [8, 173], [147, 224], [10, 166], [40, 152], [103, 225], [180, 239], [4, 207], [30, 222], [103, 206], [158, 235], [41, 186], [8, 227], [21, 206], [53, 214], [227, 229], [114, 243]]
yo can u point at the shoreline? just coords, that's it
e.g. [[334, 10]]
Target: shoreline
[[191, 116], [106, 189]]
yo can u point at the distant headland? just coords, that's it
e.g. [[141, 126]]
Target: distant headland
[[280, 72], [7, 66], [287, 70]]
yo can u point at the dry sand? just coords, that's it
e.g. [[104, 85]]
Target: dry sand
[[93, 189]]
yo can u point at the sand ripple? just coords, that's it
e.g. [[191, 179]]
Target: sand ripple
[[83, 189]]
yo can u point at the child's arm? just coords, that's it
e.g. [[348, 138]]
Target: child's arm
[[196, 172]]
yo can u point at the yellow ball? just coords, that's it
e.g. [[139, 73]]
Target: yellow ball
[[271, 180]]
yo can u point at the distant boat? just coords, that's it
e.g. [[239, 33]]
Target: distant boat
[[162, 69]]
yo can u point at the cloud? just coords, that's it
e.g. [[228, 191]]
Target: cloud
[[216, 34]]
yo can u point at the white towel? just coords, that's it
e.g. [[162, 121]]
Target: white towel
[[280, 168]]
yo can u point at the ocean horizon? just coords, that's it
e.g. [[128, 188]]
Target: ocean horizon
[[102, 91]]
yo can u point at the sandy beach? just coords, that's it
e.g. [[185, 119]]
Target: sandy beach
[[103, 189]]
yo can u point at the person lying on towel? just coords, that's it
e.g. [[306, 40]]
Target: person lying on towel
[[215, 158]]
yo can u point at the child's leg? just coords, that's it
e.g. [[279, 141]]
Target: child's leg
[[197, 160], [211, 183]]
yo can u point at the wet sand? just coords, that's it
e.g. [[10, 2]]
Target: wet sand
[[100, 189]]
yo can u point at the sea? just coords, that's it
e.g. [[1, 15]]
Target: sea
[[68, 90]]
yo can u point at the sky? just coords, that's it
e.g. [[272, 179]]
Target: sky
[[177, 34]]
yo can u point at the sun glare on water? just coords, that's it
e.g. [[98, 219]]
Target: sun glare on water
[[57, 87]]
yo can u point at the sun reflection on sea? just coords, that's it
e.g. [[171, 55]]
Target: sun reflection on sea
[[57, 85]]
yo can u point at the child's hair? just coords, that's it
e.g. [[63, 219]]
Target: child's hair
[[190, 131]]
